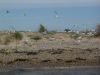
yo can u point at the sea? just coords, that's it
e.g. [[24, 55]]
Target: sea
[[54, 19]]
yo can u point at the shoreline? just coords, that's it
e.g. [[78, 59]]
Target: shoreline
[[60, 68], [50, 68]]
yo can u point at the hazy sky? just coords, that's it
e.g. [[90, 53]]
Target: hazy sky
[[48, 3], [79, 12]]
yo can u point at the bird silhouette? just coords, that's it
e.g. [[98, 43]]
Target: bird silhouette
[[56, 14], [24, 14], [7, 11]]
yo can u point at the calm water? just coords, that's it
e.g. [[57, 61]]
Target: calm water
[[92, 71], [68, 17]]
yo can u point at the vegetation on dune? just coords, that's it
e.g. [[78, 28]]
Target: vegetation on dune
[[17, 35], [97, 30], [42, 29], [67, 30], [7, 38], [52, 32], [74, 36], [36, 38]]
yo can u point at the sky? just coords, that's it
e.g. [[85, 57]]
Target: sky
[[48, 3], [72, 12]]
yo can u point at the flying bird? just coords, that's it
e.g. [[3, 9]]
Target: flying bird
[[56, 14], [24, 14], [7, 11]]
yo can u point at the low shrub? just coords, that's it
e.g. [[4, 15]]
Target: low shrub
[[36, 38], [10, 37], [17, 35], [42, 29]]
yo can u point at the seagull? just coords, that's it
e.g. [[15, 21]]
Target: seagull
[[57, 16], [7, 11], [24, 14]]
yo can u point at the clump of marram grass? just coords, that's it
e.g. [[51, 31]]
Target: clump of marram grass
[[36, 38], [17, 36], [10, 37], [5, 39]]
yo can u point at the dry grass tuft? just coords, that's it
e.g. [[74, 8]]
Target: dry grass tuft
[[7, 38]]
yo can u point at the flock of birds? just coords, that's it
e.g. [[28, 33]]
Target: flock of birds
[[55, 12], [7, 11], [24, 14]]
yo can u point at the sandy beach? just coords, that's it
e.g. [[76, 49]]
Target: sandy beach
[[52, 50]]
